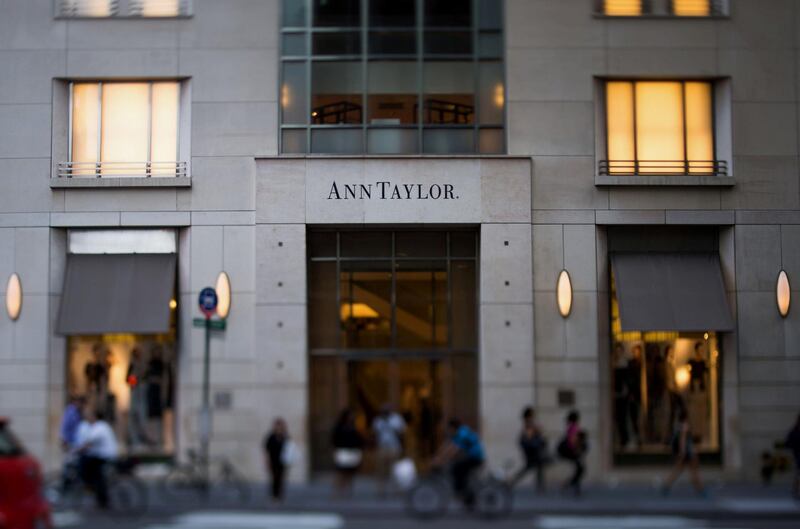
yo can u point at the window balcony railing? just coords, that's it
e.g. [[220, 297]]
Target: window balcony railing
[[122, 170], [123, 8], [663, 167]]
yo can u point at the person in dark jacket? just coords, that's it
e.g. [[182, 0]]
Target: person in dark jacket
[[275, 443], [534, 449], [573, 448], [348, 451], [793, 444]]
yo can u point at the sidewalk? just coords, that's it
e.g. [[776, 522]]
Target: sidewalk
[[722, 501]]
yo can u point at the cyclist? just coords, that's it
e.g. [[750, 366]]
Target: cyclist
[[97, 446], [464, 451]]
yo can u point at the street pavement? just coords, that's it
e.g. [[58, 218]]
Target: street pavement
[[312, 507]]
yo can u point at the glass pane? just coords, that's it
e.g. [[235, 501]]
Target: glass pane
[[328, 397], [323, 314], [336, 92], [160, 8], [449, 92], [85, 116], [462, 244], [699, 127], [659, 127], [337, 141], [421, 312], [492, 93], [125, 122], [447, 141], [88, 8], [293, 141], [448, 13], [366, 243], [322, 244], [294, 44], [392, 141], [366, 303], [463, 292], [491, 14], [620, 8], [392, 12], [294, 13], [619, 126], [337, 13], [392, 92], [448, 42], [420, 244], [392, 43], [340, 43], [293, 93], [691, 8], [491, 141], [490, 45], [164, 142]]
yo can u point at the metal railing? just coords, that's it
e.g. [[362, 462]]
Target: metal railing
[[662, 167], [122, 169], [122, 8]]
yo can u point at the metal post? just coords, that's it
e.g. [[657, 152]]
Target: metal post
[[205, 426]]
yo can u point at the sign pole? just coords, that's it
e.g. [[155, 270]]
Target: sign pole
[[206, 413]]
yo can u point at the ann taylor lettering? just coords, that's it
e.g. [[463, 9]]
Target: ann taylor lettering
[[390, 191]]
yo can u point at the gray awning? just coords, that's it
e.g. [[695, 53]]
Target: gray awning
[[117, 294], [671, 292]]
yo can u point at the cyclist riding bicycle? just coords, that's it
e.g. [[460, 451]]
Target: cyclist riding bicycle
[[96, 447], [464, 451]]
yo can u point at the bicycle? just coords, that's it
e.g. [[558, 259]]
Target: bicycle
[[430, 497], [127, 494], [225, 482]]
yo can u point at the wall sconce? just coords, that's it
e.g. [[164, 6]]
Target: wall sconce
[[783, 294], [14, 297], [223, 288], [564, 294]]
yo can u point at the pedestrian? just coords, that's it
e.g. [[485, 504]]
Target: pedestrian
[[389, 428], [70, 421], [573, 447], [793, 444], [533, 445], [685, 455], [278, 454], [348, 452], [97, 447]]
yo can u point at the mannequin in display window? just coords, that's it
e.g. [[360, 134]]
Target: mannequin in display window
[[155, 378], [136, 382], [698, 369]]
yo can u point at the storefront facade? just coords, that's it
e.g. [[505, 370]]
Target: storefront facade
[[396, 235]]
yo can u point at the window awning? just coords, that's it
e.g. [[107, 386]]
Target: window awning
[[671, 292], [123, 293]]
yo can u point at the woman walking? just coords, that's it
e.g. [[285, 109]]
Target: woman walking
[[573, 447], [685, 455], [347, 452], [276, 448]]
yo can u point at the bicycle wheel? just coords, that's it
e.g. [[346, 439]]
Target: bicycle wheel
[[493, 499], [179, 481], [427, 499], [231, 488], [127, 496]]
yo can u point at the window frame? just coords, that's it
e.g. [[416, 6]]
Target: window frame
[[720, 173], [364, 57]]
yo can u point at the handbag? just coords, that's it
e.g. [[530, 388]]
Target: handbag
[[404, 473], [289, 453], [347, 458]]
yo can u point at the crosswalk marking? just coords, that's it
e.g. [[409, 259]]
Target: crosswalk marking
[[617, 522], [246, 520], [67, 519]]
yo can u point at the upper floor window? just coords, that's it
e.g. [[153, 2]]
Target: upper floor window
[[123, 8], [677, 8], [124, 129], [660, 127], [392, 76]]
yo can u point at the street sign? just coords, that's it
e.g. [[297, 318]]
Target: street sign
[[217, 325], [207, 301]]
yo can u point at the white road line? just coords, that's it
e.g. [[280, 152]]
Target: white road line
[[67, 519], [246, 520], [745, 505], [616, 522]]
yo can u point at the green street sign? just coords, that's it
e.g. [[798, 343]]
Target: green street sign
[[218, 325]]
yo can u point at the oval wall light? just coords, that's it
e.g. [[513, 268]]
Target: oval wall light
[[564, 293], [14, 297], [783, 293], [223, 288]]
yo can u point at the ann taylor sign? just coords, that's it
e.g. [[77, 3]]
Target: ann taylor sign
[[386, 190]]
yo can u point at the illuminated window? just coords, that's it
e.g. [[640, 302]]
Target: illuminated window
[[132, 8], [660, 127], [691, 8], [124, 129], [622, 8]]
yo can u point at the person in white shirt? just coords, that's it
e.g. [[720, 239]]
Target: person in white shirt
[[97, 446], [389, 428]]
